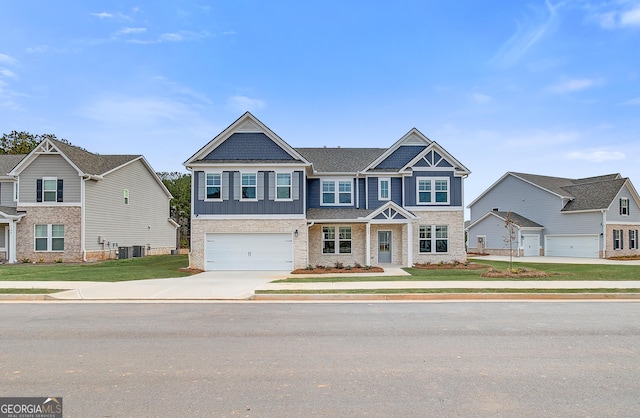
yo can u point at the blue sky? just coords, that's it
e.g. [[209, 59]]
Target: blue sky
[[532, 86]]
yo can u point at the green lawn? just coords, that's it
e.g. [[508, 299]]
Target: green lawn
[[150, 267], [31, 291], [555, 272]]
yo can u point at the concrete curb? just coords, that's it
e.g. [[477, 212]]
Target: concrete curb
[[445, 296]]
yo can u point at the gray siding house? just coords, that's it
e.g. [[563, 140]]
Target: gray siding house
[[590, 217], [62, 203], [259, 203]]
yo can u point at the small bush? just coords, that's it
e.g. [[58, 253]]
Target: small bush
[[59, 260], [320, 266], [367, 267], [309, 267], [357, 265], [25, 260], [348, 268], [338, 265]]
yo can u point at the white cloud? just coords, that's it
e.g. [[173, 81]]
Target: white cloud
[[527, 35], [129, 31], [6, 73], [107, 15], [632, 102], [571, 85], [630, 17], [481, 98], [540, 139], [596, 156], [244, 103], [6, 59]]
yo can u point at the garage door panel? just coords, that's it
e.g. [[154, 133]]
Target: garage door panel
[[243, 251], [585, 246]]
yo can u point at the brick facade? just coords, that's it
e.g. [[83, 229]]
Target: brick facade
[[625, 250], [69, 216]]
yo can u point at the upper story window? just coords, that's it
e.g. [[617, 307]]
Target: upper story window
[[432, 191], [249, 186], [283, 186], [126, 196], [214, 186], [624, 206], [337, 192], [49, 189], [384, 189]]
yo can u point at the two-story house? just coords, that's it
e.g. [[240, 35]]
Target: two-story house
[[260, 204], [62, 203], [554, 216]]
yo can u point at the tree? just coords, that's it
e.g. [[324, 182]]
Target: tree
[[24, 142], [510, 226], [179, 185]]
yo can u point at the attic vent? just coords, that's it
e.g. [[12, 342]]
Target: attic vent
[[496, 209]]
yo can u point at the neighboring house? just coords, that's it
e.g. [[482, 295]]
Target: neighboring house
[[258, 203], [590, 217], [62, 203]]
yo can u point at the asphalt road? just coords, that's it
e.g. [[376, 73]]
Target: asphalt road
[[537, 359]]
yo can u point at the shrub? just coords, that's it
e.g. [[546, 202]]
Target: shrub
[[309, 267], [25, 260], [357, 265], [348, 268], [338, 265]]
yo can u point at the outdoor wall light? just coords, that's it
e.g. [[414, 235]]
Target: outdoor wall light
[[295, 233]]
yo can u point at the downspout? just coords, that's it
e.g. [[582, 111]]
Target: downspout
[[82, 218], [604, 234]]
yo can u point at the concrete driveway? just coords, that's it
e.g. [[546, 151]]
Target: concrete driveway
[[224, 285]]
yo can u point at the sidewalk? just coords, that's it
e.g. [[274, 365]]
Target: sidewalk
[[242, 285]]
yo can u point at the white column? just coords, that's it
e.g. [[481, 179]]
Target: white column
[[409, 245], [12, 243], [367, 262]]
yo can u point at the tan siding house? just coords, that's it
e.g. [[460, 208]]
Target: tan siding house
[[63, 203]]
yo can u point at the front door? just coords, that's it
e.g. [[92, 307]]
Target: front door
[[384, 247]]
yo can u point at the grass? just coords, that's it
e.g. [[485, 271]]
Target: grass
[[31, 291], [605, 272], [150, 267]]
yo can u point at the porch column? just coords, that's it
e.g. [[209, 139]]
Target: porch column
[[409, 245], [367, 262], [11, 248]]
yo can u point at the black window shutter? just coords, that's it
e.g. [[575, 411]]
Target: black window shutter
[[620, 206], [621, 239], [38, 190], [59, 196]]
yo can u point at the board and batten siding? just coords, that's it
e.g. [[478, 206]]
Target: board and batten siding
[[6, 194], [49, 165], [145, 220], [455, 188]]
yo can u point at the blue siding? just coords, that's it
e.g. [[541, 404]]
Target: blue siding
[[400, 157], [248, 146], [313, 195], [455, 185], [362, 193], [396, 192], [237, 207]]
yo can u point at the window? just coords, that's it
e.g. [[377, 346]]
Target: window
[[433, 190], [384, 189], [332, 242], [617, 239], [248, 185], [283, 186], [126, 196], [214, 186], [624, 206], [434, 237], [633, 239], [49, 237], [49, 189], [337, 192]]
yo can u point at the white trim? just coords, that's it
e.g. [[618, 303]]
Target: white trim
[[413, 137], [275, 197], [243, 199], [622, 223], [336, 191], [45, 204], [257, 217], [433, 191], [213, 172], [380, 180], [433, 208]]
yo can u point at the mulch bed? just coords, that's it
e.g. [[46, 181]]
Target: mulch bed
[[517, 274], [333, 270]]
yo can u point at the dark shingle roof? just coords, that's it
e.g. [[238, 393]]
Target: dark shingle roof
[[90, 163], [8, 210], [519, 220], [589, 193], [340, 160], [8, 161]]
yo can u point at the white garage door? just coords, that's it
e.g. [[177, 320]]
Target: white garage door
[[249, 252], [572, 246]]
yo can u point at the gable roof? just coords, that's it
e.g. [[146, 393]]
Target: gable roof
[[583, 194], [517, 219], [340, 160], [8, 162], [245, 124]]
